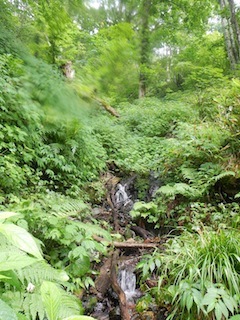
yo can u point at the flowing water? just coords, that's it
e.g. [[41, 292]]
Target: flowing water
[[121, 195], [122, 200], [127, 281]]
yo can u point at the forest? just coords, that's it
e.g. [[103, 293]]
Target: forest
[[119, 159]]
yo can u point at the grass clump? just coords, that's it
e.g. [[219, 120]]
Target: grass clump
[[199, 275]]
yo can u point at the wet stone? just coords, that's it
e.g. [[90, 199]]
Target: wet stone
[[114, 314], [148, 315]]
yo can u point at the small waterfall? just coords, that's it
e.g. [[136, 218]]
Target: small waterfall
[[121, 195], [122, 199], [127, 281]]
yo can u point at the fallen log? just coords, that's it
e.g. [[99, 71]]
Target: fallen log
[[142, 232], [140, 245], [127, 244], [106, 106]]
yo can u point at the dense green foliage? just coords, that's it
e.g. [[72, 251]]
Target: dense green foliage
[[57, 141]]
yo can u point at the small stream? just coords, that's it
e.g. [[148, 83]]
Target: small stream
[[107, 306]]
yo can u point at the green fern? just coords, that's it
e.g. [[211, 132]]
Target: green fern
[[51, 297], [200, 181], [39, 272], [33, 306], [222, 175], [71, 207], [181, 189], [92, 229], [69, 305], [57, 303]]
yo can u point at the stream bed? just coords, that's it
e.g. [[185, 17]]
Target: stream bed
[[117, 288]]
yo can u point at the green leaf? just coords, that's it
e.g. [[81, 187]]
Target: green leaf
[[7, 214], [229, 303], [218, 312], [197, 296], [152, 266], [2, 277], [189, 303], [209, 298], [12, 279], [51, 297], [21, 316], [158, 263], [211, 306], [84, 266], [14, 260], [224, 309], [21, 239], [236, 317], [6, 313]]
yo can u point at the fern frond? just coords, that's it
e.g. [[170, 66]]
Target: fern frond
[[180, 188], [64, 207], [33, 306], [73, 207], [39, 272], [189, 173], [223, 175], [69, 305], [92, 229], [51, 297], [57, 302], [56, 147]]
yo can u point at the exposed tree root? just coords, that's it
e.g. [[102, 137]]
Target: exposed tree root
[[114, 214]]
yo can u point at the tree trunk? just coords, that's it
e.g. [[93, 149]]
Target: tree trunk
[[231, 31], [235, 25], [144, 46]]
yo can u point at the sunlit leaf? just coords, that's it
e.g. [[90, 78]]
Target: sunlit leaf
[[21, 239], [14, 260], [7, 214], [6, 313]]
